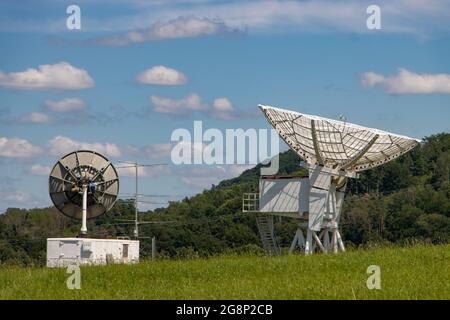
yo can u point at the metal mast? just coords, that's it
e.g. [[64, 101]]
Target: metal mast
[[136, 166], [136, 228]]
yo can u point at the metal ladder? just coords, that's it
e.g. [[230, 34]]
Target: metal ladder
[[266, 231]]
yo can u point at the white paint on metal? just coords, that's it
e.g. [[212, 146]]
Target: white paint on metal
[[283, 195], [336, 144], [333, 151]]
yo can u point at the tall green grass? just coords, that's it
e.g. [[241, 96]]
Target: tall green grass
[[420, 272]]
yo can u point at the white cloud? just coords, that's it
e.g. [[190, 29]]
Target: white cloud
[[223, 105], [36, 117], [200, 182], [11, 197], [157, 151], [195, 147], [161, 75], [153, 151], [15, 196], [181, 106], [236, 169], [203, 177], [419, 17], [223, 109], [127, 170], [60, 76], [180, 27], [40, 170], [409, 82], [65, 105], [16, 147], [61, 145]]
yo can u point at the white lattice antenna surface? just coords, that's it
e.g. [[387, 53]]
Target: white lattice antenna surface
[[336, 144]]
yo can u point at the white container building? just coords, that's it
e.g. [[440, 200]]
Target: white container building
[[62, 252]]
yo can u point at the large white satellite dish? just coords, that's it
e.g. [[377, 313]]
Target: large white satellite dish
[[83, 184], [333, 151], [336, 144]]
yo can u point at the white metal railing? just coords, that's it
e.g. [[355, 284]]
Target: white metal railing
[[250, 202]]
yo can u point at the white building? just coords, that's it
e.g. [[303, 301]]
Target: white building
[[85, 251]]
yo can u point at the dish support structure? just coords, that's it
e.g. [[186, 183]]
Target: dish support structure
[[315, 201]]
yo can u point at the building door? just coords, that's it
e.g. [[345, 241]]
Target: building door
[[125, 251]]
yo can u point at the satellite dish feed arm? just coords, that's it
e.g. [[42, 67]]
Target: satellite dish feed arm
[[316, 143], [360, 154]]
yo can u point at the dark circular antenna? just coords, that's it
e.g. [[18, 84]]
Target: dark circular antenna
[[83, 185]]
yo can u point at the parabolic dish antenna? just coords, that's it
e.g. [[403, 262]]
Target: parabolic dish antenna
[[332, 151], [83, 185], [336, 144]]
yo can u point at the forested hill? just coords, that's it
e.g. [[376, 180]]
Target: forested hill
[[402, 201]]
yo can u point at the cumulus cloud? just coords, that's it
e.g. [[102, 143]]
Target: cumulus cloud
[[36, 117], [18, 148], [178, 106], [40, 170], [65, 105], [418, 17], [61, 145], [220, 108], [161, 75], [127, 170], [59, 76], [181, 27], [408, 82], [223, 109]]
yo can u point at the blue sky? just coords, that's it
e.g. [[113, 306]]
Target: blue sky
[[314, 57]]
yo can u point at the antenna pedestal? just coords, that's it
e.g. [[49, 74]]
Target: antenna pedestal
[[326, 196], [84, 211], [327, 240], [315, 200]]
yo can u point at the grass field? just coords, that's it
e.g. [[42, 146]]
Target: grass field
[[421, 272]]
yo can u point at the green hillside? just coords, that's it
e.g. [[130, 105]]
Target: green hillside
[[401, 202], [419, 272]]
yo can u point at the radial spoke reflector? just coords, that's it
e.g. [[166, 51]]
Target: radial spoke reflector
[[83, 168]]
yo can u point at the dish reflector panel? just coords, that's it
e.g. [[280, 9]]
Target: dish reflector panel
[[336, 144], [80, 168]]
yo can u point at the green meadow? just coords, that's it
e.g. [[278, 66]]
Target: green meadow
[[419, 272]]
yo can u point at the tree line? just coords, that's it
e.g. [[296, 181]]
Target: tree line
[[403, 201]]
